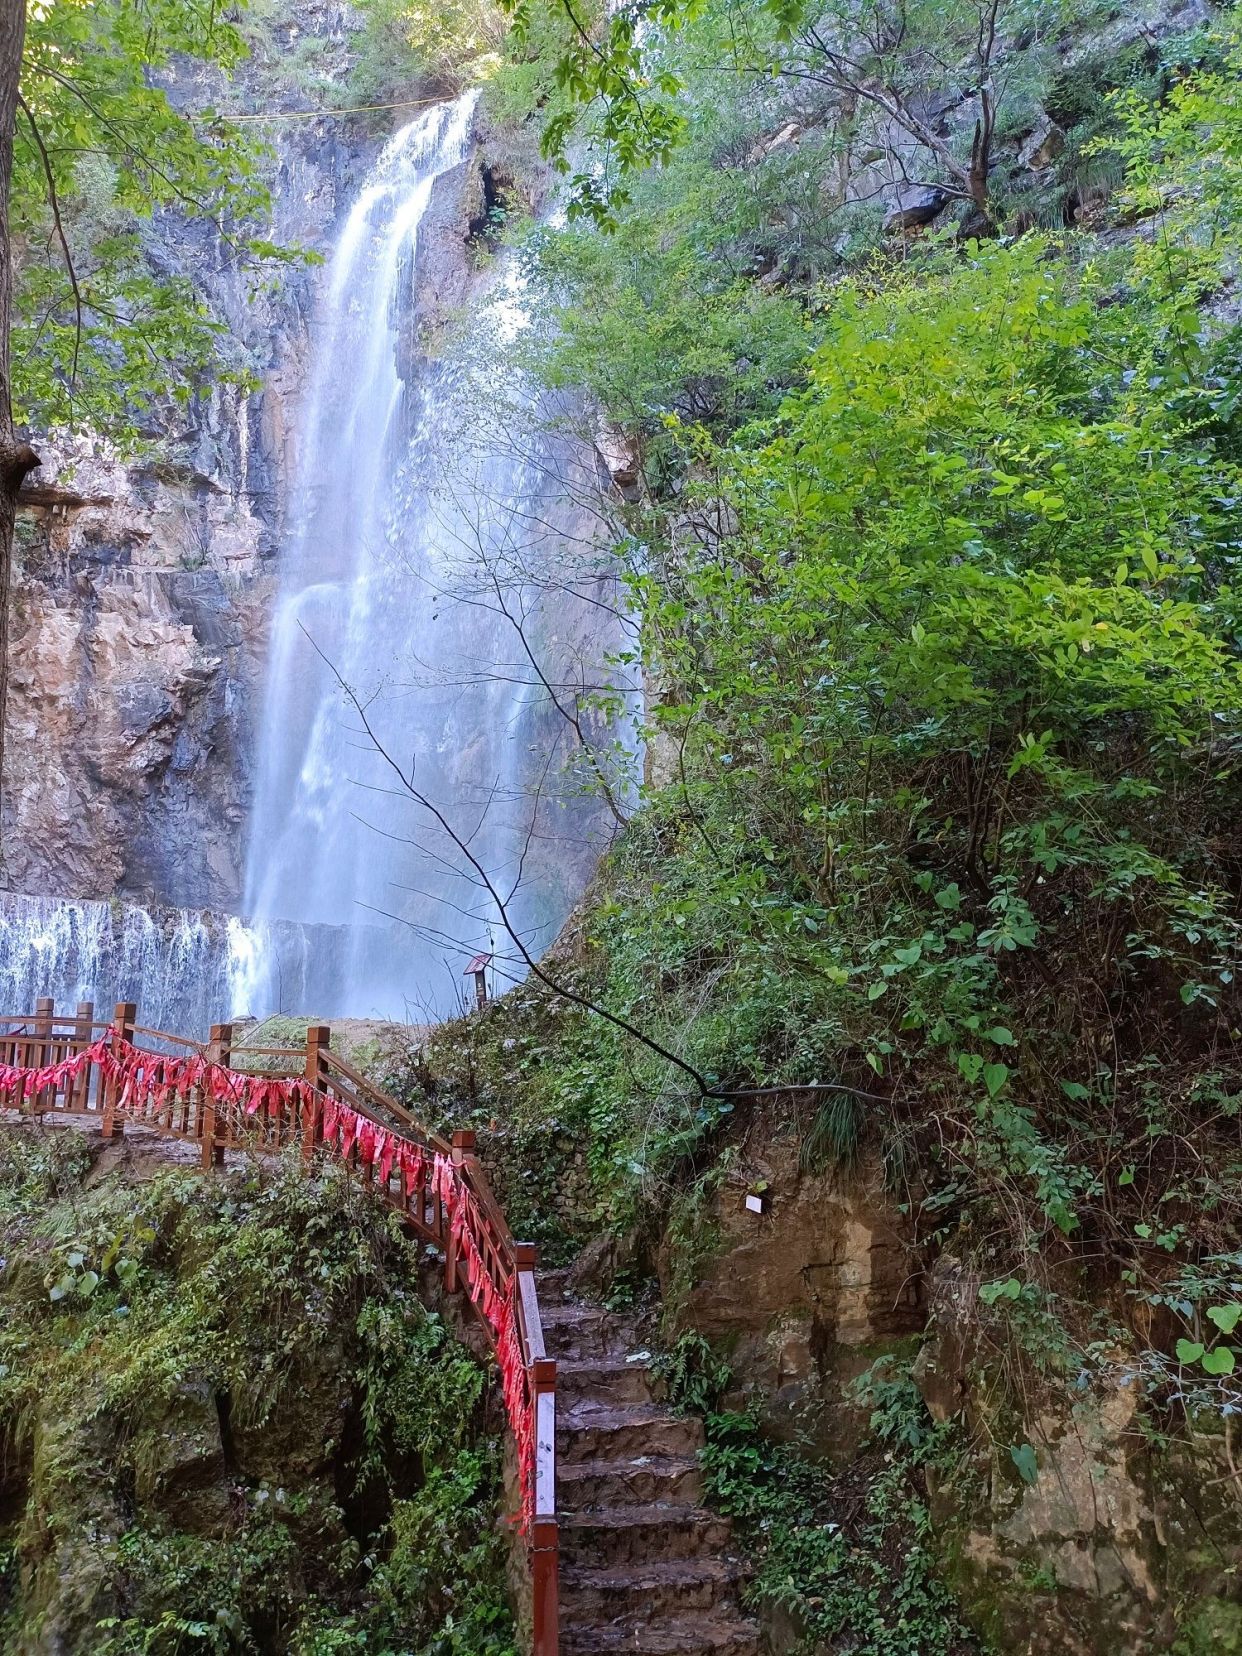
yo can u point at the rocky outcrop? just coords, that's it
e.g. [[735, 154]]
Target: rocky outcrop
[[1066, 1526], [144, 588], [1074, 1529], [804, 1285], [137, 635]]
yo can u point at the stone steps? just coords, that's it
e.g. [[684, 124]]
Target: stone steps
[[576, 1331], [642, 1482], [604, 1536], [644, 1566], [603, 1380], [626, 1431], [650, 1591], [677, 1636]]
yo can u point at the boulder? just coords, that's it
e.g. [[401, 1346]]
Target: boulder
[[917, 204], [1041, 148]]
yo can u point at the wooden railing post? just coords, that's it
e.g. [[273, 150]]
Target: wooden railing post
[[123, 1021], [544, 1545], [318, 1042], [219, 1051], [463, 1146], [79, 1096], [41, 1053]]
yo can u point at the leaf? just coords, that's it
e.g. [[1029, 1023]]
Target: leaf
[[949, 897], [876, 990], [991, 1292], [87, 1284], [1189, 1351], [971, 1065], [1126, 1176], [1075, 1089], [1225, 1317], [1218, 1361], [1000, 1036], [994, 1077], [1023, 1457], [909, 956]]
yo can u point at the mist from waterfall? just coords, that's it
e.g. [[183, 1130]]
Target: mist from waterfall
[[391, 633]]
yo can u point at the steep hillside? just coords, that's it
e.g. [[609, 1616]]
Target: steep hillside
[[228, 1422], [896, 1049]]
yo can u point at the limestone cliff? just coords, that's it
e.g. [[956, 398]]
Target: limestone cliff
[[143, 587]]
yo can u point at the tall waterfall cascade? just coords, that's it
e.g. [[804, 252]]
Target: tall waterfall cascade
[[419, 795], [410, 799]]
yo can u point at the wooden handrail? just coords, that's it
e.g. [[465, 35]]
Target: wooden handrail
[[440, 1188], [174, 1040]]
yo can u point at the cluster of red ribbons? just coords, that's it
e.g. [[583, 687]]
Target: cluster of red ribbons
[[374, 1146], [152, 1078], [18, 1082], [499, 1312], [146, 1078]]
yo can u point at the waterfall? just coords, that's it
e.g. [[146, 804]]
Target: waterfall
[[393, 586], [181, 968]]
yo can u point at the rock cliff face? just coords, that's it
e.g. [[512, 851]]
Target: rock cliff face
[[141, 594], [143, 590], [1115, 1543]]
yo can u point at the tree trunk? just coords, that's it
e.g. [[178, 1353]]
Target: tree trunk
[[16, 458]]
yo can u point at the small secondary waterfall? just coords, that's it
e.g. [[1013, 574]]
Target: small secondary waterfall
[[395, 587], [181, 968]]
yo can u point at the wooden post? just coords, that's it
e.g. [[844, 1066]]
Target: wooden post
[[463, 1146], [80, 1095], [219, 1051], [545, 1586], [123, 1021], [544, 1535], [318, 1043], [41, 1052]]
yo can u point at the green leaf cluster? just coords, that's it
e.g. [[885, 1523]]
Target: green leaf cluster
[[114, 148]]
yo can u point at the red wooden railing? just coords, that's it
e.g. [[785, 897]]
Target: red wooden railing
[[267, 1098]]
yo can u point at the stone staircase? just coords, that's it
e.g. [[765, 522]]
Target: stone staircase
[[644, 1566]]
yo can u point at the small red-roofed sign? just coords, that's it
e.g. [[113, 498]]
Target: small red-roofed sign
[[477, 969]]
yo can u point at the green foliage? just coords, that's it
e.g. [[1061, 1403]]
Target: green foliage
[[942, 658], [103, 334], [972, 513], [437, 1588], [405, 42], [849, 1558], [653, 325], [696, 1378], [134, 1315], [941, 624], [1183, 158]]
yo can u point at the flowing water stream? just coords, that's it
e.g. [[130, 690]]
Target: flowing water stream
[[396, 669], [413, 651]]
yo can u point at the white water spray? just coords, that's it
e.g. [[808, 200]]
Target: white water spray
[[372, 599]]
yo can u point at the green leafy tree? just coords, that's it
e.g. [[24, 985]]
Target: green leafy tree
[[93, 331]]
